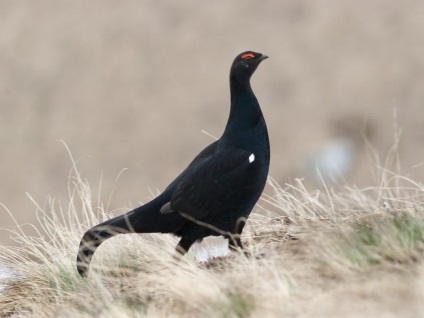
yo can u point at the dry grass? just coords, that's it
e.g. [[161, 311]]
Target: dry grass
[[345, 251]]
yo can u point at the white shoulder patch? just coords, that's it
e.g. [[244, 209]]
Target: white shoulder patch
[[251, 158]]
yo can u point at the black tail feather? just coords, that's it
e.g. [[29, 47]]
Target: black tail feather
[[95, 236], [144, 219]]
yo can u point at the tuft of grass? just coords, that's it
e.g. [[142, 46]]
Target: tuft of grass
[[395, 239], [237, 305]]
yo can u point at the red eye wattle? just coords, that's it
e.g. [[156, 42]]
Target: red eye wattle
[[246, 55]]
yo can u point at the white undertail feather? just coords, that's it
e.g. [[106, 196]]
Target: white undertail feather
[[210, 247]]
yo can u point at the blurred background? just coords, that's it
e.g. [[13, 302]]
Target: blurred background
[[131, 85]]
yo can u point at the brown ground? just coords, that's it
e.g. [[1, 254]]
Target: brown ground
[[131, 84]]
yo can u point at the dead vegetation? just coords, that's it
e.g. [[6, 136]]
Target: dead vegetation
[[339, 251]]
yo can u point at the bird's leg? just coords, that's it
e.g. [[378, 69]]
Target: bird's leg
[[183, 246], [234, 240]]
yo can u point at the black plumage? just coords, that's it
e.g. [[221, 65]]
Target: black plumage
[[215, 194]]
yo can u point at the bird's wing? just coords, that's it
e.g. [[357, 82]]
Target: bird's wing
[[210, 183]]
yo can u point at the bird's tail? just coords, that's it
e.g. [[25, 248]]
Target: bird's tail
[[145, 219], [97, 235]]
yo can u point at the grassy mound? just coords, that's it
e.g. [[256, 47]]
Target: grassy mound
[[345, 251]]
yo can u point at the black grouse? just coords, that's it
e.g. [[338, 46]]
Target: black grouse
[[215, 194]]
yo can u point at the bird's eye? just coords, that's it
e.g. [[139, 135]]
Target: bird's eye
[[248, 56]]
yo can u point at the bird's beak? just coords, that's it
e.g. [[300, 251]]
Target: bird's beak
[[263, 57]]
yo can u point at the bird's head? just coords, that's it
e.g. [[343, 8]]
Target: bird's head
[[245, 64]]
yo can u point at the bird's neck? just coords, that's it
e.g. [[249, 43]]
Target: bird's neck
[[245, 112]]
